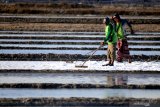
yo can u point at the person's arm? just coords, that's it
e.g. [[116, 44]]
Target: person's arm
[[124, 21]]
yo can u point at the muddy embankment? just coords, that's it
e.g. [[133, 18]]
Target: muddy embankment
[[75, 71], [65, 23], [82, 9], [72, 20], [113, 101], [68, 57], [74, 17], [74, 86]]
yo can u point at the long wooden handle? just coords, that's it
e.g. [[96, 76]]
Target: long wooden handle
[[92, 54]]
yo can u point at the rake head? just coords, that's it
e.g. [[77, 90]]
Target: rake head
[[81, 66]]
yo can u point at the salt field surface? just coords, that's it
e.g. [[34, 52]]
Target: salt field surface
[[92, 65], [39, 64]]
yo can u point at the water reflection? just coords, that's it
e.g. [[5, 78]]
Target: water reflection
[[117, 79], [86, 93], [81, 78]]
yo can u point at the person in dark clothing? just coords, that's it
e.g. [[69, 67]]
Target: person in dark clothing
[[124, 22]]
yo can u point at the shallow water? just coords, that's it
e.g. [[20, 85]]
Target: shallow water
[[82, 52], [90, 41], [71, 46], [81, 78], [87, 93]]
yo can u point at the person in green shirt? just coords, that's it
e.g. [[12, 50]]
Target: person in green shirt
[[111, 40], [122, 44]]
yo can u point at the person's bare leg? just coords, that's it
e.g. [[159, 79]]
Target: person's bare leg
[[129, 59]]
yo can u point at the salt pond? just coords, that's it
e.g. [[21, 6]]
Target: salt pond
[[81, 78], [86, 93]]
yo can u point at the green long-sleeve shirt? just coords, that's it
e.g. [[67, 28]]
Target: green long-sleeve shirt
[[111, 37]]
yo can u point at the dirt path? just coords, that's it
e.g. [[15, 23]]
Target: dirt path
[[71, 27]]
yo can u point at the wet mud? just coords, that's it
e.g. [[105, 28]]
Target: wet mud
[[70, 48], [75, 38], [75, 86], [71, 43], [87, 20], [77, 71], [113, 101], [68, 57]]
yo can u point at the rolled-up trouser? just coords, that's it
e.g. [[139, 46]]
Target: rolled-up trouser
[[111, 52]]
